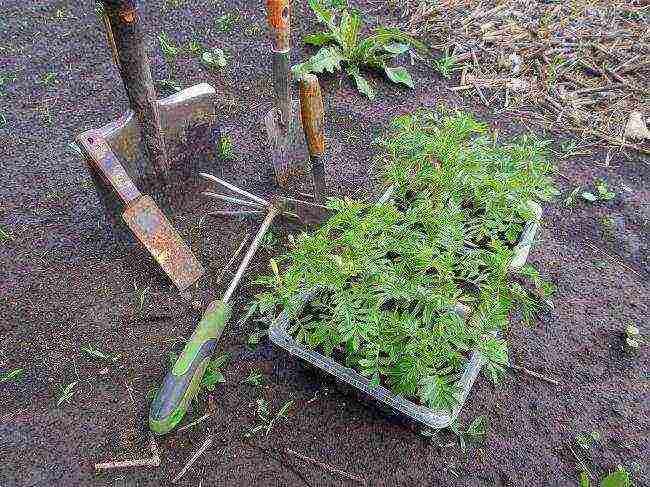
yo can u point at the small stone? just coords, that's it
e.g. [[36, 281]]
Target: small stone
[[631, 346], [636, 127], [632, 331]]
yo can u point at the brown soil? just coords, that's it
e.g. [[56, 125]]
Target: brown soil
[[65, 284]]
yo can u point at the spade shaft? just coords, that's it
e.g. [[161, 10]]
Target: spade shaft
[[126, 38]]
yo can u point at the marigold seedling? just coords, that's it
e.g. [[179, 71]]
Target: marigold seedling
[[388, 277]]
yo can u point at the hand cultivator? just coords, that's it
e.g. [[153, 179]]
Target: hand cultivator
[[182, 383]]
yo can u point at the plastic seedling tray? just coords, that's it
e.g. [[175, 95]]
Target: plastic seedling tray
[[421, 414]]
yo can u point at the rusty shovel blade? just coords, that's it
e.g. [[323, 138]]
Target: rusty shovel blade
[[152, 228]]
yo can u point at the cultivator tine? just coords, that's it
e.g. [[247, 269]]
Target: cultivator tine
[[240, 213], [235, 189], [230, 199]]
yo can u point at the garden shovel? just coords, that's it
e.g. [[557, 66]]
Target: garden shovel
[[161, 144], [282, 122], [313, 122]]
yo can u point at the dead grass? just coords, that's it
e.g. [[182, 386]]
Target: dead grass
[[578, 65]]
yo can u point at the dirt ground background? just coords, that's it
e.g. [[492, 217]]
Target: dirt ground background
[[65, 284]]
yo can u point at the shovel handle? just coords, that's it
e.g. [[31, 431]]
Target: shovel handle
[[184, 380], [313, 114], [313, 123], [126, 39], [278, 13]]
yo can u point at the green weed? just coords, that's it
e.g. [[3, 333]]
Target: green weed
[[13, 375], [226, 148], [47, 79], [5, 234], [255, 378], [269, 241], [254, 30], [96, 353], [586, 441], [66, 393], [342, 48], [174, 3], [169, 84], [387, 277], [603, 193], [214, 58], [213, 374], [167, 46], [226, 22], [265, 420], [446, 65], [195, 46]]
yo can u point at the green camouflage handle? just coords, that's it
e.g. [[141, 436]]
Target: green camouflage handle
[[183, 381]]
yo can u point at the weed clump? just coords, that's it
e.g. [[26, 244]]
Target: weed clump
[[390, 276]]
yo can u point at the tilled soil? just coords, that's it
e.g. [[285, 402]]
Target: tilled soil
[[66, 284]]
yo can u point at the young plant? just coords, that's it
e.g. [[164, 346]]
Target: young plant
[[167, 46], [13, 375], [387, 278], [603, 193], [342, 48]]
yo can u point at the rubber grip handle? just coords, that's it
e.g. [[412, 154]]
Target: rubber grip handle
[[278, 14], [184, 380], [313, 114]]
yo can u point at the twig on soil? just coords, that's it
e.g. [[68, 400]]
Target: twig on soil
[[326, 466], [618, 261], [154, 461], [194, 458], [579, 460], [194, 423], [532, 373]]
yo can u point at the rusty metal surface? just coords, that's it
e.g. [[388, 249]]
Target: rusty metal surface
[[103, 160], [189, 127], [288, 148], [163, 242]]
